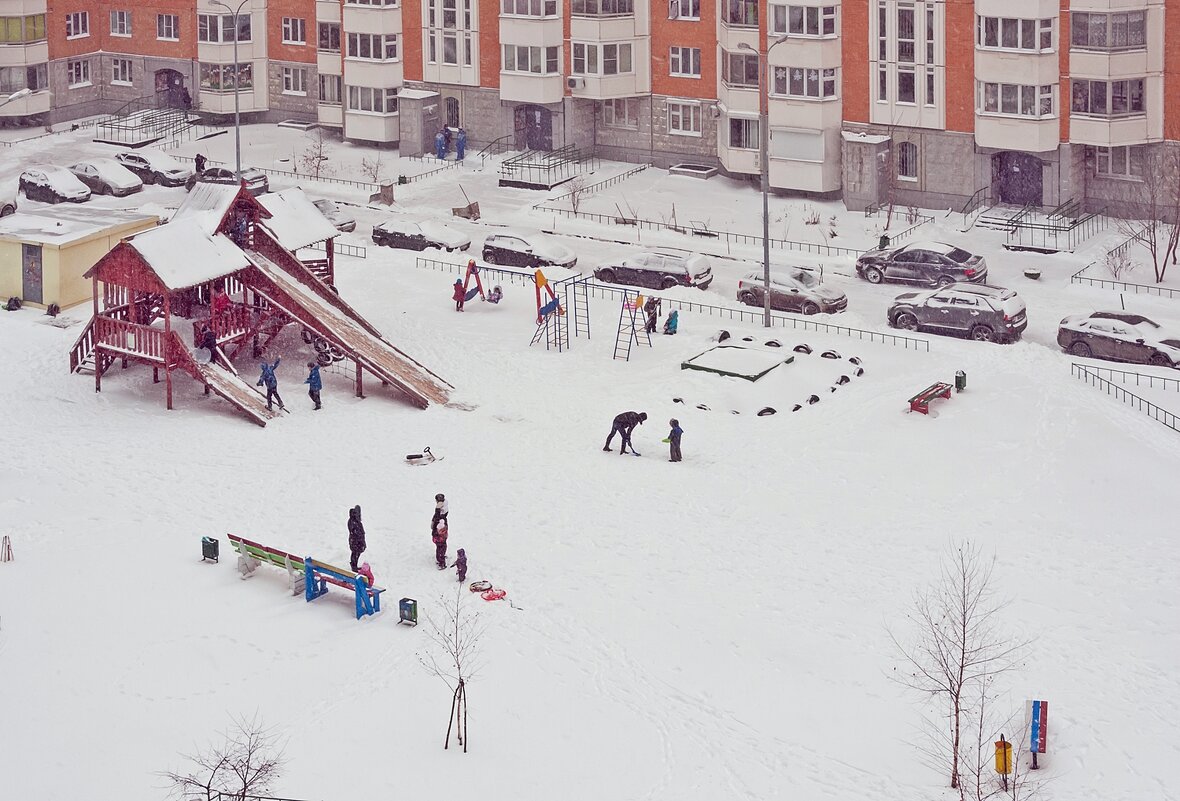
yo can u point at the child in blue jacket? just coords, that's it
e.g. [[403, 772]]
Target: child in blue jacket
[[673, 440], [314, 384], [267, 379]]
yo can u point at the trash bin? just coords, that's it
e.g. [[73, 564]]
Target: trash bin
[[408, 611], [960, 381], [209, 548], [1003, 757]]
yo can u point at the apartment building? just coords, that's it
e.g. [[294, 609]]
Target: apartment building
[[922, 102]]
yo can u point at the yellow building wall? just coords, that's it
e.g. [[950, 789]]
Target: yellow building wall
[[10, 261]]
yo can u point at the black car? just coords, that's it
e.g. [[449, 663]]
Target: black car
[[658, 270], [929, 263], [534, 252], [1119, 336], [985, 313]]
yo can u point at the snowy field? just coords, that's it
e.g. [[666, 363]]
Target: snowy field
[[714, 629]]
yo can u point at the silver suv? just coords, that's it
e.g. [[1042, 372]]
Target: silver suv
[[985, 313], [658, 270]]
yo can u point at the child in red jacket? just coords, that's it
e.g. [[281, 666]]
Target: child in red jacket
[[458, 295]]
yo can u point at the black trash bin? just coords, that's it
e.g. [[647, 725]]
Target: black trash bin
[[960, 381], [210, 547]]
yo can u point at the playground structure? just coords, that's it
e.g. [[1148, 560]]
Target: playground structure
[[223, 240], [632, 327]]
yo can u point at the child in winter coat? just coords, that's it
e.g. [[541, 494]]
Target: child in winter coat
[[356, 536], [671, 323], [267, 379], [439, 538], [496, 295], [441, 510], [461, 566], [673, 439], [314, 384], [458, 295]]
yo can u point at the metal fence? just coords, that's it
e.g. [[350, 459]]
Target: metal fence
[[1139, 379], [1122, 286], [302, 176], [409, 179], [1055, 236], [343, 249], [594, 187], [1091, 377]]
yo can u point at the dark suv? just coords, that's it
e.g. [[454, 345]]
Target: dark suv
[[662, 270], [930, 263], [985, 313]]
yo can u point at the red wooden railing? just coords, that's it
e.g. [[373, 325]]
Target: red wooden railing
[[130, 338], [83, 346]]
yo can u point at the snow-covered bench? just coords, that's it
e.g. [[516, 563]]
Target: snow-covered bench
[[320, 575], [252, 554], [921, 401]]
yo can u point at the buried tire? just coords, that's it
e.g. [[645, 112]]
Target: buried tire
[[1081, 350], [983, 333], [906, 320]]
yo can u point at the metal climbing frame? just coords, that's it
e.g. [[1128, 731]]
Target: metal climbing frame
[[553, 330], [632, 326]]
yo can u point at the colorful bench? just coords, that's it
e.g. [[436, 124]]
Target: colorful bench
[[320, 575], [252, 554], [921, 401]]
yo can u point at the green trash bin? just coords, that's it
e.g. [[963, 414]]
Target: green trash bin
[[408, 611], [960, 381]]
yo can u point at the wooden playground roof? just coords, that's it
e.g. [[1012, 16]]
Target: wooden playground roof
[[294, 221], [208, 205], [175, 256]]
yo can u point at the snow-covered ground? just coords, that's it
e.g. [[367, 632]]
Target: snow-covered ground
[[715, 629]]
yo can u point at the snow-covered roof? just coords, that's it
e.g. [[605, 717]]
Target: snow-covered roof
[[295, 221], [207, 204], [931, 245], [65, 224], [857, 136], [183, 254], [416, 94]]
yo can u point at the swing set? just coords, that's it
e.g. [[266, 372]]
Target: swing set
[[469, 292]]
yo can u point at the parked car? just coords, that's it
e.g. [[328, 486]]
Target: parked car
[[534, 252], [53, 184], [8, 201], [791, 289], [985, 313], [399, 233], [337, 216], [256, 181], [931, 263], [155, 167], [660, 270], [1120, 337], [107, 177]]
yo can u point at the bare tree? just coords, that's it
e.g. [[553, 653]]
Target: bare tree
[[373, 168], [314, 158], [577, 191], [247, 761], [958, 645], [1159, 198], [454, 658], [1119, 262]]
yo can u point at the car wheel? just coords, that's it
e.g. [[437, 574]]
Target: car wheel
[[982, 333], [157, 178], [907, 321], [1081, 350], [606, 276], [1159, 360], [810, 308], [873, 275], [944, 280], [103, 189], [748, 298], [8, 209], [667, 282], [490, 257]]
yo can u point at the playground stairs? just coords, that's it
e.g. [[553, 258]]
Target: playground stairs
[[631, 328], [553, 331], [83, 356], [580, 296], [225, 382]]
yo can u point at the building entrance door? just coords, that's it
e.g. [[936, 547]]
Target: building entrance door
[[534, 128], [1017, 178], [31, 278], [170, 88]]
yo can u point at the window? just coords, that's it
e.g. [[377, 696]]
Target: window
[[537, 60], [376, 101], [208, 28], [684, 9], [905, 34], [929, 87], [329, 37], [685, 62], [227, 28], [330, 89], [930, 34], [121, 71], [1016, 100], [804, 82], [375, 46], [741, 13], [220, 28], [684, 119], [77, 24], [906, 90], [616, 59], [529, 8], [882, 84], [600, 8], [1006, 33], [19, 30], [585, 59], [34, 77], [743, 133], [907, 161], [294, 81], [1119, 162], [227, 78], [803, 20], [622, 112], [168, 27], [294, 31], [739, 69], [448, 23], [120, 23], [1123, 31], [78, 73], [1107, 98]]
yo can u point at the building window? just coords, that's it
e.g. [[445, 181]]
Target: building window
[[743, 133], [330, 90], [220, 28], [616, 59], [1107, 98], [805, 82], [227, 28], [1124, 31], [120, 23], [329, 37], [530, 8], [225, 78], [445, 27], [601, 8], [294, 31], [739, 69], [1016, 100], [536, 60], [684, 9], [121, 71], [78, 73], [294, 81], [684, 119], [907, 161], [882, 84], [930, 34], [208, 28], [740, 13], [1006, 33], [905, 34], [803, 20], [77, 24], [374, 101], [685, 62], [929, 87], [622, 112], [168, 27], [1119, 162], [373, 46], [906, 89], [33, 77], [20, 30]]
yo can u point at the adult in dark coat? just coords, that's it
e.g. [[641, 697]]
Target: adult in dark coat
[[356, 536], [624, 424], [652, 310]]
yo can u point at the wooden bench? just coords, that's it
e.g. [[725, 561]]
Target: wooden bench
[[320, 575], [921, 401], [252, 554]]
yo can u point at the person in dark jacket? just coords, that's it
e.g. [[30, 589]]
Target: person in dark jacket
[[208, 340], [200, 162], [673, 440], [458, 295], [461, 566], [624, 424], [268, 380], [356, 536], [439, 538], [441, 509], [314, 384], [652, 310]]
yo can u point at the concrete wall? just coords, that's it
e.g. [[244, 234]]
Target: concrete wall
[[297, 106]]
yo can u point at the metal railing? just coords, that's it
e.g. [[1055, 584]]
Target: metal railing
[[982, 195], [594, 187], [551, 167], [495, 147], [343, 249], [302, 176], [1139, 379], [447, 165], [1091, 377], [1122, 286]]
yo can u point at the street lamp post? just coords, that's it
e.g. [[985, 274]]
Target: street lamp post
[[764, 163], [17, 95], [237, 89]]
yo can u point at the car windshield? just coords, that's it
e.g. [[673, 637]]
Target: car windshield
[[1171, 343], [807, 279], [958, 255], [325, 206]]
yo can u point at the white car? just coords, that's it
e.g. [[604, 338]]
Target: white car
[[155, 167], [399, 233], [107, 177], [533, 252], [53, 184], [334, 214], [791, 289]]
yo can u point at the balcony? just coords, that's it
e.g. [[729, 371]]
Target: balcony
[[1112, 64], [372, 19], [1109, 132], [1017, 133], [35, 103], [1016, 67], [524, 87], [740, 14]]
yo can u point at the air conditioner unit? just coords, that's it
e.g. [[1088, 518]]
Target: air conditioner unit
[[575, 83]]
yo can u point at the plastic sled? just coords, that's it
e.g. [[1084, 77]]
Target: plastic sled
[[426, 457]]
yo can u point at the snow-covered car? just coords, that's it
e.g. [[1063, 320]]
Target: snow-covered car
[[336, 215], [533, 251], [398, 233], [256, 181], [930, 263], [107, 177], [1120, 337], [7, 201], [658, 270], [53, 184], [985, 313], [155, 167], [792, 289]]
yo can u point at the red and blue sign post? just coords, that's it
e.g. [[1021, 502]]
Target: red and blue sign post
[[1038, 729]]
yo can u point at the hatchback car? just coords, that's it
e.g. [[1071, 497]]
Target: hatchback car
[[53, 185], [155, 167], [985, 313], [1120, 337], [256, 181], [533, 252], [334, 214], [398, 233], [661, 270], [930, 263], [791, 290], [107, 177]]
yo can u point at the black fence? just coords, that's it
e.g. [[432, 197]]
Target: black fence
[[343, 249], [301, 176], [1138, 379], [1090, 376], [1121, 286]]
